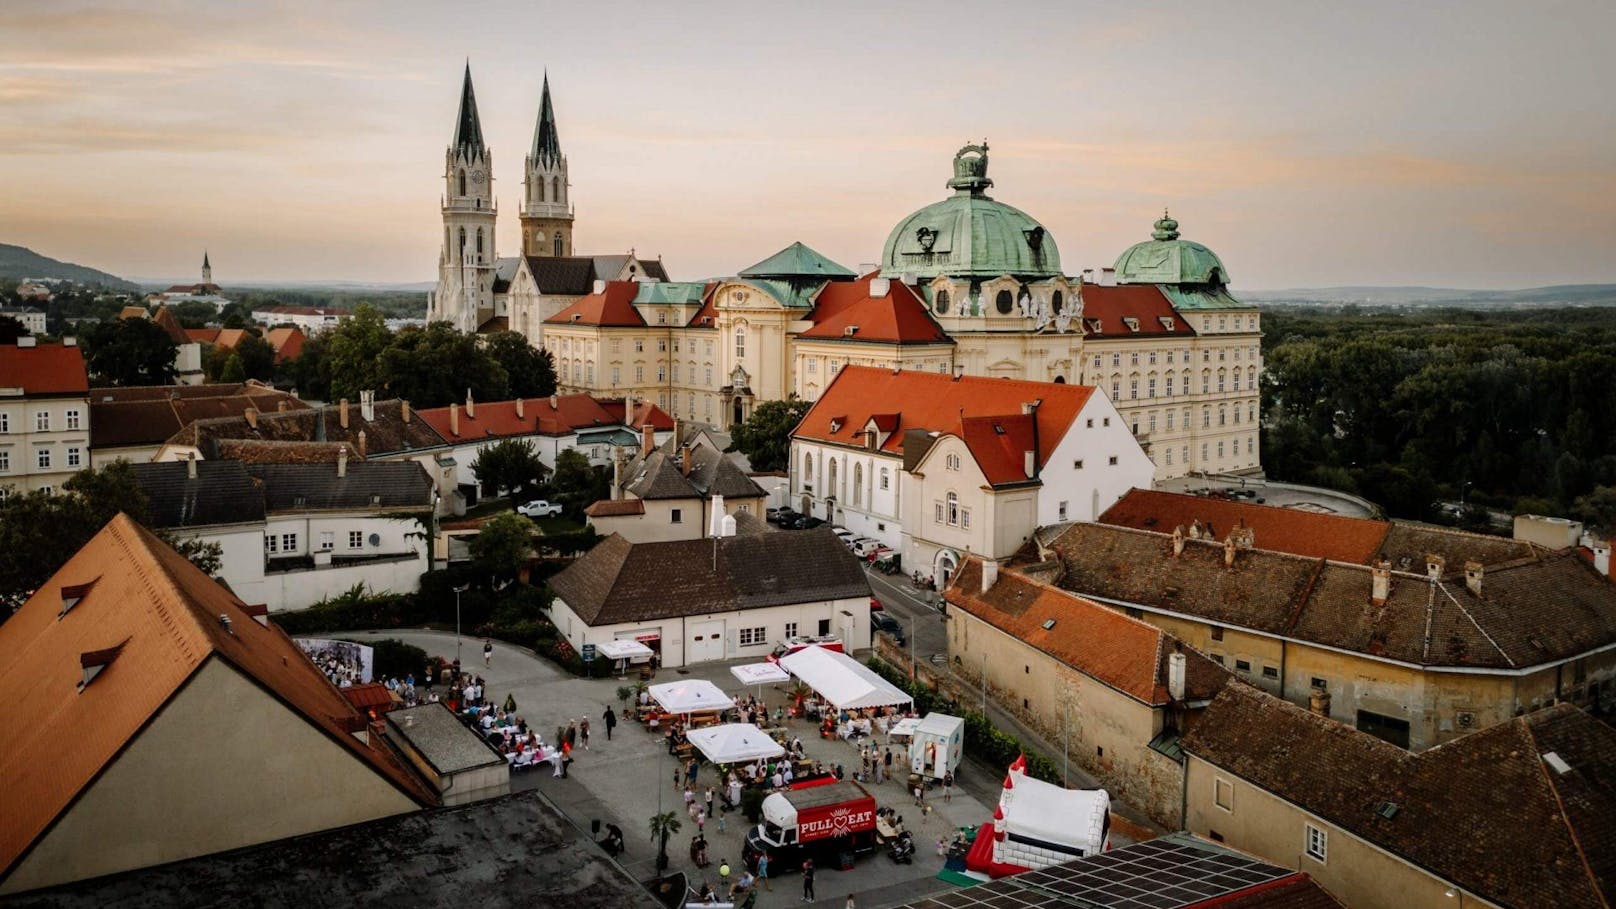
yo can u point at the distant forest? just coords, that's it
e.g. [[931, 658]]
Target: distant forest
[[1506, 409]]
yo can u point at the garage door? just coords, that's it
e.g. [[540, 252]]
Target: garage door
[[706, 641]]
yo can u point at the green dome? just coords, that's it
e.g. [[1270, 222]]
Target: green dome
[[1165, 259], [969, 234]]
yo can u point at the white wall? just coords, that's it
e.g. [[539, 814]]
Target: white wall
[[876, 514], [1091, 489], [675, 632]]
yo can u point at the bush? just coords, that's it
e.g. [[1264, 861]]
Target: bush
[[394, 659], [350, 611]]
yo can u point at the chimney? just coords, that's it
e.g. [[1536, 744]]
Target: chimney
[[1473, 573], [70, 341], [342, 413], [600, 286], [1088, 276], [1108, 277], [342, 461], [1380, 582], [454, 420], [521, 412], [990, 574], [1434, 566], [1602, 557], [555, 402], [880, 287], [686, 455], [367, 405], [251, 414], [1319, 702], [280, 406], [1029, 464], [1195, 529], [364, 450], [647, 440], [471, 406], [717, 529], [27, 341], [190, 465], [1228, 551], [1178, 541], [1175, 674], [404, 410], [619, 459]]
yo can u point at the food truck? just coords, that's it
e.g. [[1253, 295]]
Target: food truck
[[819, 822]]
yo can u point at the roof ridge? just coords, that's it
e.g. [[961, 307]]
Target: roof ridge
[[1466, 613], [1559, 804], [129, 535], [1305, 596]]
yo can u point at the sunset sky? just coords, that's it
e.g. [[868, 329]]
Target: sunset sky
[[1468, 144]]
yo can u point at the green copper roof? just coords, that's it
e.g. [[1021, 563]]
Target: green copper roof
[[792, 293], [680, 292], [1165, 259], [1191, 299], [970, 234], [797, 261]]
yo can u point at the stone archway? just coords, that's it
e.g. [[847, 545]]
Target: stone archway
[[944, 564]]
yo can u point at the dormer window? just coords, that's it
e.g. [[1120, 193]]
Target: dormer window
[[95, 661], [835, 425], [72, 594], [1167, 323], [1094, 325], [1132, 323]]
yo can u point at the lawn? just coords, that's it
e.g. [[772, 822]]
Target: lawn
[[557, 524]]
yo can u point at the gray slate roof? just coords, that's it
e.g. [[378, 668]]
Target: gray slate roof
[[660, 475], [222, 493], [446, 743], [619, 581], [563, 275], [368, 484], [514, 852]]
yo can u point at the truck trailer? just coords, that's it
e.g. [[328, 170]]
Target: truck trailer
[[825, 823]]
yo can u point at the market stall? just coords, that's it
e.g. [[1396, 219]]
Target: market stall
[[735, 743], [690, 696], [624, 651], [841, 680]]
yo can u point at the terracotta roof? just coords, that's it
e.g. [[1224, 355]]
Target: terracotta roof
[[1126, 654], [45, 369], [170, 323], [613, 308], [645, 414], [225, 338], [1106, 309], [1486, 811], [936, 402], [999, 445], [149, 422], [556, 416], [386, 433], [607, 508], [1303, 533], [898, 316], [203, 335], [370, 694], [163, 613], [1529, 612], [133, 312], [255, 451], [618, 581], [288, 342]]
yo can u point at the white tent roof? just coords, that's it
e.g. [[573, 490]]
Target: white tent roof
[[690, 696], [939, 724], [842, 680], [734, 743], [623, 649], [759, 673], [905, 726]]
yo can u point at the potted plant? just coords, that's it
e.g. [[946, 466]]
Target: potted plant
[[663, 826], [624, 692]]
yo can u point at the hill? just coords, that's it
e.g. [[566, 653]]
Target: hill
[[19, 262], [1558, 295]]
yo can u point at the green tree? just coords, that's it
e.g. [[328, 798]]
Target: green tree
[[194, 313], [576, 483], [436, 366], [1597, 509], [257, 357], [310, 373], [11, 330], [503, 544], [663, 826], [765, 437], [512, 464], [530, 370], [232, 371], [353, 350], [130, 352]]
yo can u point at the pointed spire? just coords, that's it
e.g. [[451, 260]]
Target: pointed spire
[[468, 129], [205, 259], [546, 144]]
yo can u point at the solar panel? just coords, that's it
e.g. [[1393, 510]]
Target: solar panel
[[1168, 873]]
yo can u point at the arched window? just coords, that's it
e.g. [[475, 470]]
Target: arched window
[[1221, 377], [555, 189], [952, 511], [462, 182], [1004, 302], [942, 301], [1206, 381], [858, 484], [447, 243], [462, 242], [808, 467], [830, 478], [558, 244], [1057, 302], [540, 185], [479, 242], [740, 341], [886, 478]]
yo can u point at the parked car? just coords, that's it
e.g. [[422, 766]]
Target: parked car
[[885, 623], [772, 515], [781, 516], [867, 546], [876, 605], [853, 542], [843, 534], [801, 522], [539, 508]]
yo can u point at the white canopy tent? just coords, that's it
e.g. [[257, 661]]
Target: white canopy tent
[[843, 681], [759, 673], [691, 696], [734, 743], [623, 649]]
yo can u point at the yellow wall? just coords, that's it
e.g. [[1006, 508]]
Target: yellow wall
[[224, 765]]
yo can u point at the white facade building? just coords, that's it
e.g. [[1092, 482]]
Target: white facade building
[[44, 416]]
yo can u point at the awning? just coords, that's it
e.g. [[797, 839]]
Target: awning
[[905, 727], [759, 673], [734, 743], [842, 680], [690, 696], [623, 649]]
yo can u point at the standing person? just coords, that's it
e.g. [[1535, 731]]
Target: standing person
[[583, 732], [610, 719], [850, 903], [709, 799], [807, 880], [763, 872], [887, 760], [488, 652], [572, 734], [948, 786], [677, 773]]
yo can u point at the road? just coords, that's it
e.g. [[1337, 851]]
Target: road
[[922, 623]]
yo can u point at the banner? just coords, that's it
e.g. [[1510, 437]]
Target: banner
[[343, 662]]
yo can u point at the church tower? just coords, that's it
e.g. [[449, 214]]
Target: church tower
[[465, 293], [207, 270], [546, 217]]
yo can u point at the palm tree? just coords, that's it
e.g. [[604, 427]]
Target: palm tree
[[663, 826]]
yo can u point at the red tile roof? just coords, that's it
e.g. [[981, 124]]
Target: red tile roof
[[48, 369], [162, 613], [607, 508], [613, 308], [170, 323], [645, 413], [999, 445], [554, 416], [1110, 304], [937, 402], [288, 342], [1303, 533], [1126, 654], [897, 317]]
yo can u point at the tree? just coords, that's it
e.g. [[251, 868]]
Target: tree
[[194, 313], [232, 370], [131, 352], [577, 483], [663, 826], [436, 366], [530, 370], [310, 373], [257, 357], [11, 330], [354, 349], [1597, 509], [512, 464], [765, 437], [502, 544]]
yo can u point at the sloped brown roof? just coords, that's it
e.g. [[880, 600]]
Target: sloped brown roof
[[1486, 811], [170, 323], [611, 308], [387, 432], [847, 311], [1303, 533], [607, 508], [555, 415], [161, 612], [1105, 306], [255, 451], [1407, 544], [1128, 655], [149, 422]]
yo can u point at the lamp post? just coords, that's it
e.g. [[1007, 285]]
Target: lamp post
[[984, 684], [457, 592], [912, 622]]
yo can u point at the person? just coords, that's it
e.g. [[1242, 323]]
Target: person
[[583, 732], [488, 652], [763, 871], [807, 880], [920, 793], [948, 786], [742, 884], [610, 719], [887, 760], [572, 734], [850, 903]]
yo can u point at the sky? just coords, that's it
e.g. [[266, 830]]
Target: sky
[[1461, 144]]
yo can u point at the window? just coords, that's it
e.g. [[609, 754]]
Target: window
[[661, 373], [356, 539], [1169, 457], [750, 637], [708, 380], [824, 627], [1061, 512], [937, 508], [327, 541], [47, 490], [1217, 658], [271, 543], [858, 484], [1217, 632], [42, 421], [1150, 387], [1320, 684], [1220, 450], [1203, 453], [1116, 359], [1317, 842], [953, 509], [676, 516], [1133, 388], [5, 461], [1169, 420], [1077, 464], [965, 519], [289, 542], [1242, 665], [616, 376], [1112, 461], [73, 457], [740, 342], [72, 419], [42, 459], [1270, 672], [886, 478], [1223, 794], [1206, 417], [951, 462], [639, 374], [791, 629], [1105, 421], [1004, 302], [662, 346], [639, 347], [942, 302]]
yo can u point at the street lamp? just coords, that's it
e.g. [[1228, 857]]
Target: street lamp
[[457, 592]]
